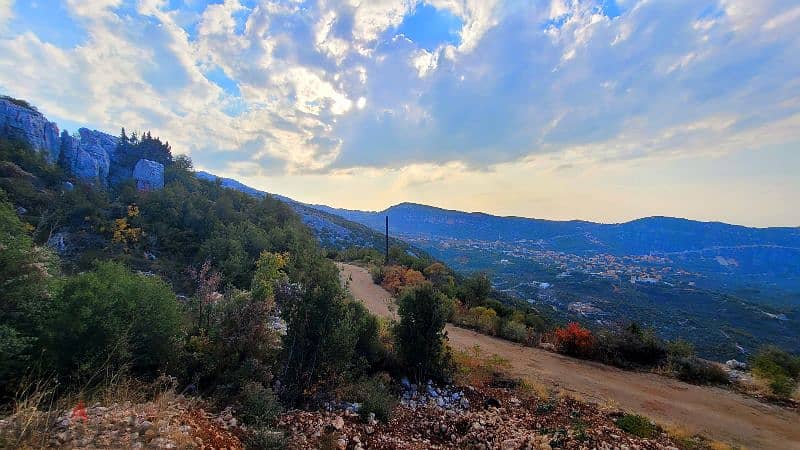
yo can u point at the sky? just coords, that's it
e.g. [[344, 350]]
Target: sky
[[561, 109]]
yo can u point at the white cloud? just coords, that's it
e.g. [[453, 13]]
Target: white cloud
[[425, 62], [6, 12], [284, 85], [783, 19]]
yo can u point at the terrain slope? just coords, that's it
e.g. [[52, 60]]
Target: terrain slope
[[713, 412]]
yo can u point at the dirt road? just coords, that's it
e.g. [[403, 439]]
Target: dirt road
[[713, 412]]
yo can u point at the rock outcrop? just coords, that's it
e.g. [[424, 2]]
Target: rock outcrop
[[90, 155], [149, 175], [21, 121], [87, 154]]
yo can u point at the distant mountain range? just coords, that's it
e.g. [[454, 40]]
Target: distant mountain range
[[727, 288]]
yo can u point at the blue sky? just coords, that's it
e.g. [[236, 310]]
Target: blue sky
[[595, 109]]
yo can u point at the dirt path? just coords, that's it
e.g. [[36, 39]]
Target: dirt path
[[713, 412]]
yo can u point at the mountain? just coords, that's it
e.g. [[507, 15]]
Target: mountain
[[333, 231], [724, 255], [726, 288]]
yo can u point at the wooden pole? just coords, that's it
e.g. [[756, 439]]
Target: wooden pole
[[387, 240]]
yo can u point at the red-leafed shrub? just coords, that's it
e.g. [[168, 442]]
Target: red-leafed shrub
[[396, 278], [574, 340]]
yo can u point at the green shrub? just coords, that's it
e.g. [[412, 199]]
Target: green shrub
[[259, 406], [420, 333], [264, 438], [514, 331], [679, 349], [374, 396], [328, 339], [112, 318], [779, 368], [638, 426], [632, 347], [697, 371]]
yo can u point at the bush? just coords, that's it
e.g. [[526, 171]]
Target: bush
[[697, 371], [397, 278], [514, 331], [420, 333], [112, 318], [638, 426], [632, 347], [779, 368], [474, 290], [234, 345], [259, 406], [374, 396], [328, 340], [265, 439], [574, 340]]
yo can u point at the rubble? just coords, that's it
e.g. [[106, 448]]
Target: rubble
[[166, 423], [418, 422]]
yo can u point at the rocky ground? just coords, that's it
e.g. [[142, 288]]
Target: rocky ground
[[470, 418], [170, 422]]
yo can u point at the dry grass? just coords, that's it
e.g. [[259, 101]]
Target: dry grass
[[535, 388], [475, 368], [33, 413], [692, 441]]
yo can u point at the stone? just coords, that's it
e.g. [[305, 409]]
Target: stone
[[23, 122], [149, 175], [145, 425], [735, 365]]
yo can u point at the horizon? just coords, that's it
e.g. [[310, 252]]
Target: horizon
[[557, 110]]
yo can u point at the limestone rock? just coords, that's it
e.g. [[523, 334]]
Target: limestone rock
[[149, 175], [24, 122], [87, 155]]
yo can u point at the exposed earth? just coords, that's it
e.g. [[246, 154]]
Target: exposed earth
[[713, 412]]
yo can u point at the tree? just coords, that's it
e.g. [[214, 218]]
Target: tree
[[475, 290], [269, 270], [420, 333], [25, 282]]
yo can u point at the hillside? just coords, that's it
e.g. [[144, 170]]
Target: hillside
[[679, 276]]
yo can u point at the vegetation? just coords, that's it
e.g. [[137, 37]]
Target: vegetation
[[638, 426], [574, 340], [26, 275], [780, 369], [420, 333], [247, 269], [109, 319]]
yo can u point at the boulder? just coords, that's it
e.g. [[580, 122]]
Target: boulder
[[149, 175]]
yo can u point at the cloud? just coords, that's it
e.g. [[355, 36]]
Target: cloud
[[328, 86], [6, 12]]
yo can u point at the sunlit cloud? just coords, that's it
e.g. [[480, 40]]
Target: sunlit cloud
[[416, 93]]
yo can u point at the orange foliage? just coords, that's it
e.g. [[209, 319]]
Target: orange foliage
[[397, 278], [574, 340]]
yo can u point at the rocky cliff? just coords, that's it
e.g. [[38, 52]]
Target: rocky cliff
[[90, 155], [18, 120]]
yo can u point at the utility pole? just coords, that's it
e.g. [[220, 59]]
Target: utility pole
[[387, 240]]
